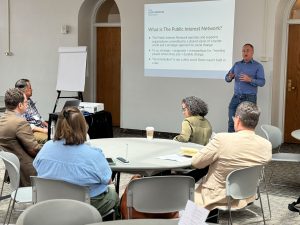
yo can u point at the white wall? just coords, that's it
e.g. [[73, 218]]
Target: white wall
[[156, 101], [35, 38]]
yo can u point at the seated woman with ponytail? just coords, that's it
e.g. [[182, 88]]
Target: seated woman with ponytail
[[68, 158]]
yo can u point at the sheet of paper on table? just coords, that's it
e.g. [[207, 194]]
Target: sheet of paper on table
[[193, 215], [175, 157]]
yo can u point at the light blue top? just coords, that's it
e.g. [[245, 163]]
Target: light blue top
[[77, 164], [254, 69]]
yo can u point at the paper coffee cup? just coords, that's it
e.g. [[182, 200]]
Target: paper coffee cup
[[150, 132]]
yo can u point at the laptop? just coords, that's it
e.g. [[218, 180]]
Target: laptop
[[69, 103]]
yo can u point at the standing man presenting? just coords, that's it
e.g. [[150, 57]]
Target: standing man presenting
[[248, 75]]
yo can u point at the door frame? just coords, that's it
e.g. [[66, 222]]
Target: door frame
[[93, 50], [283, 58]]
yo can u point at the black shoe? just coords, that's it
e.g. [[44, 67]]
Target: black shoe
[[213, 216], [298, 201], [292, 207]]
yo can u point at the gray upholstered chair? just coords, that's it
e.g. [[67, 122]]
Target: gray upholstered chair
[[242, 184], [17, 194], [46, 189], [274, 135], [59, 211], [159, 194]]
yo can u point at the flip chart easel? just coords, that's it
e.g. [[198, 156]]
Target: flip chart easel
[[71, 71]]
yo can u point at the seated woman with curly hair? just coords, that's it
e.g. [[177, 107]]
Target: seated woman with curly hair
[[195, 127]]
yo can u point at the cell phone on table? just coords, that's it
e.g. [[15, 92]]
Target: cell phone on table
[[110, 161], [122, 160]]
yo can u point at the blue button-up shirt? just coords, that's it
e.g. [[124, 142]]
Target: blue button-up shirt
[[32, 115], [78, 164], [253, 69]]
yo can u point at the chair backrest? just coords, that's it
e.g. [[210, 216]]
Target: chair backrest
[[273, 134], [46, 189], [60, 211], [160, 194], [12, 165], [243, 183]]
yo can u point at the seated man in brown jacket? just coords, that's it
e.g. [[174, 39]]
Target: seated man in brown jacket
[[16, 134]]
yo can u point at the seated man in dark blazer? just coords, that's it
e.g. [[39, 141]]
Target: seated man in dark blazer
[[16, 134]]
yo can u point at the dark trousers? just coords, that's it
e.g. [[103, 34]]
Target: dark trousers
[[197, 174]]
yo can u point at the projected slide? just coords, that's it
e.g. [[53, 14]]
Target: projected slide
[[190, 39]]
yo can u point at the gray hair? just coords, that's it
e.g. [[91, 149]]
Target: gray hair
[[22, 84], [195, 106], [249, 113]]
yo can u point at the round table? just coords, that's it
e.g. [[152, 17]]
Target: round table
[[142, 154]]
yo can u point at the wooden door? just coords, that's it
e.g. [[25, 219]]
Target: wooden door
[[108, 70], [292, 101]]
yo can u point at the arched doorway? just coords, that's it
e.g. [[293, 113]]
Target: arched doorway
[[108, 58]]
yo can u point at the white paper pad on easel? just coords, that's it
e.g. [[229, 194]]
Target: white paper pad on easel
[[193, 215]]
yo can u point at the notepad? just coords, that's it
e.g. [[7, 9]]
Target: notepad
[[189, 152], [193, 215]]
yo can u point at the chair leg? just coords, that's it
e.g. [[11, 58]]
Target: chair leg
[[12, 208], [8, 208], [129, 213], [269, 204], [2, 186], [270, 178], [117, 183], [261, 206], [266, 190], [229, 210]]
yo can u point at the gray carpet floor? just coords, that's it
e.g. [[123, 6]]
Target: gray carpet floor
[[283, 188]]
